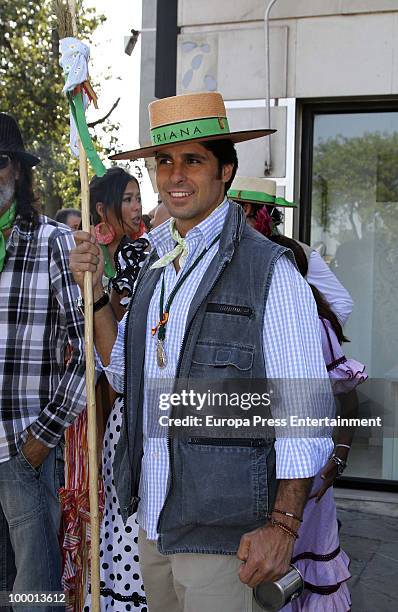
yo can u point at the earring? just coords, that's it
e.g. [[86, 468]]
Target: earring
[[104, 233]]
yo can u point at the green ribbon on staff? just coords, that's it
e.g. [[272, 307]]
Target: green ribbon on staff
[[77, 110]]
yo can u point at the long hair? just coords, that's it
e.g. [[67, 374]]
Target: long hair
[[225, 153], [323, 306], [326, 312], [298, 252], [24, 194], [109, 190]]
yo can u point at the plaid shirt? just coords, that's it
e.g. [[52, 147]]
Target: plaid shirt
[[37, 319]]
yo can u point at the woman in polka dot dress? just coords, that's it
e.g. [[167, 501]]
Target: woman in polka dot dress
[[116, 206], [121, 581]]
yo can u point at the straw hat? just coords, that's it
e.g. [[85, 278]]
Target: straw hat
[[256, 190], [192, 117]]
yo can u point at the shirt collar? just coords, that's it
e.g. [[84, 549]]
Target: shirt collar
[[206, 231], [23, 229]]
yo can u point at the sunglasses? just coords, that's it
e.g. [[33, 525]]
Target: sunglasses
[[4, 161]]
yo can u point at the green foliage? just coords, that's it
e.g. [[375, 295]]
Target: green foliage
[[356, 179], [31, 82]]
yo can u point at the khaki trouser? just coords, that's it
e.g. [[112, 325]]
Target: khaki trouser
[[192, 582]]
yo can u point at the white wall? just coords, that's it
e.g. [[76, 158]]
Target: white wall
[[336, 55], [318, 49], [199, 12]]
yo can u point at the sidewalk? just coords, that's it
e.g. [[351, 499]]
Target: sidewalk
[[369, 535]]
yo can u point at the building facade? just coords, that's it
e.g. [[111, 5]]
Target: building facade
[[333, 77]]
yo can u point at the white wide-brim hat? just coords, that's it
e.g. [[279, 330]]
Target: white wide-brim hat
[[255, 190]]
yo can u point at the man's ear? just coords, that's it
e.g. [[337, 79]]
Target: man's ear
[[226, 174]]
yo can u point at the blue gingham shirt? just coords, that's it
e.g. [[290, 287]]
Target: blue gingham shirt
[[292, 349]]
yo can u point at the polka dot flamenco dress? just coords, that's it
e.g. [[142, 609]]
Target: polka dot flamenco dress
[[121, 581]]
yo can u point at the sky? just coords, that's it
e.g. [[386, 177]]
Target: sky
[[107, 58]]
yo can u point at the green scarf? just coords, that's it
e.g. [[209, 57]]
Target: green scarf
[[6, 222]]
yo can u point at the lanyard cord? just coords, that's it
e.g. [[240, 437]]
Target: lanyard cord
[[160, 329]]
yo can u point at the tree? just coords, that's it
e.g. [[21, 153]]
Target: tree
[[356, 185], [31, 82], [354, 205]]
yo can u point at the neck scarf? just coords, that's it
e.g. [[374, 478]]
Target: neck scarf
[[180, 250], [6, 222]]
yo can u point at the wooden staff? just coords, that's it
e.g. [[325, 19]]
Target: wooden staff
[[90, 375]]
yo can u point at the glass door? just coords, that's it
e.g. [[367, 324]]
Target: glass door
[[351, 217]]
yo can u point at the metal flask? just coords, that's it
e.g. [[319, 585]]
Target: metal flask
[[272, 596]]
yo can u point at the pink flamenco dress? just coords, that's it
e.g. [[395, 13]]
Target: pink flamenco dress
[[317, 553]]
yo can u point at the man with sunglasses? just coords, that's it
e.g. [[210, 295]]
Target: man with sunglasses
[[39, 395]]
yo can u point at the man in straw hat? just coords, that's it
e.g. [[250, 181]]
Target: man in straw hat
[[260, 204], [201, 313], [39, 396]]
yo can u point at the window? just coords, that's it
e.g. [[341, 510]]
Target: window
[[349, 213]]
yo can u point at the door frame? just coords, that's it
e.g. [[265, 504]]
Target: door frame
[[306, 112]]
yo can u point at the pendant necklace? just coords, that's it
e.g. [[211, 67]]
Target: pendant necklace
[[160, 329], [161, 354], [161, 357]]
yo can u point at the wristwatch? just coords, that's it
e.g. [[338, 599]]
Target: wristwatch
[[103, 301], [341, 464]]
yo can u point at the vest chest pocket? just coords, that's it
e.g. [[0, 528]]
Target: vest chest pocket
[[230, 309], [222, 360]]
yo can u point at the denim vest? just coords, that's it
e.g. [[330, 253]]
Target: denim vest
[[206, 514]]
